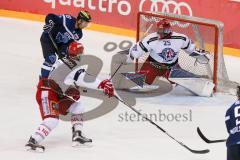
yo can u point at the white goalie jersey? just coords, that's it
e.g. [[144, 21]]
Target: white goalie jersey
[[163, 50]]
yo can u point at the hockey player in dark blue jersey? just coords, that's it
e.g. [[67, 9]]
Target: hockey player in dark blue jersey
[[58, 32], [232, 120]]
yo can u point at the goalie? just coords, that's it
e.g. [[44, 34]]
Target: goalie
[[163, 47]]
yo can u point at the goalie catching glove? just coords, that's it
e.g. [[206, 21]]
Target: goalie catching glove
[[107, 87], [201, 55]]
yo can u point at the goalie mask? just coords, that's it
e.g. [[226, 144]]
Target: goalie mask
[[164, 29], [75, 50]]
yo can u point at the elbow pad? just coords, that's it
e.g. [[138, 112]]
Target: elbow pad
[[136, 51]]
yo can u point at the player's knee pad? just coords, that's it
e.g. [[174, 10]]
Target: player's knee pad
[[76, 108], [51, 123]]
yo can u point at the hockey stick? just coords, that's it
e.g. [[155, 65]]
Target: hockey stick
[[207, 140], [69, 62], [115, 71], [126, 51], [160, 128]]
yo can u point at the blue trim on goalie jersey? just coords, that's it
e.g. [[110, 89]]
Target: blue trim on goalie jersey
[[152, 39], [190, 41], [142, 47], [178, 37]]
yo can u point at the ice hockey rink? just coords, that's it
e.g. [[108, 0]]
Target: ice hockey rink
[[113, 137]]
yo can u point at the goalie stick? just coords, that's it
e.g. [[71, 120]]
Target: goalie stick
[[206, 139], [115, 71], [160, 128]]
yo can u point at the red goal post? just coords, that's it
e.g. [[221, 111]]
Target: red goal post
[[206, 34]]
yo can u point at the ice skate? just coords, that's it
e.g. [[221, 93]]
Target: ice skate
[[79, 140], [33, 145]]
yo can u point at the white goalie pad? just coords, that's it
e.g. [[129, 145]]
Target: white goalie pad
[[194, 83], [199, 86], [144, 88]]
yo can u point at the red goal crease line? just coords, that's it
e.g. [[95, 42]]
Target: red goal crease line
[[98, 27]]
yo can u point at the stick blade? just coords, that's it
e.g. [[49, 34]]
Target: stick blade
[[207, 140], [196, 151], [202, 136], [199, 151]]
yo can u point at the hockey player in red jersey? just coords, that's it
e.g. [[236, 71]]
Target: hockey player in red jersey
[[53, 101], [163, 47]]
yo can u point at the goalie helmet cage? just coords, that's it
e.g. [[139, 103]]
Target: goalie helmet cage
[[206, 34]]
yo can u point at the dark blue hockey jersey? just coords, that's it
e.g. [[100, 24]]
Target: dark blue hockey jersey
[[63, 31], [232, 120]]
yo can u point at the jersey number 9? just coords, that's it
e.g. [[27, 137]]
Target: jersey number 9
[[237, 115]]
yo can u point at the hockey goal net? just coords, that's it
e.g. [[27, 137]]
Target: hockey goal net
[[206, 34]]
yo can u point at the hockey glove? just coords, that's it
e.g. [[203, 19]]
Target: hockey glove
[[201, 56], [107, 87], [63, 51], [48, 27], [73, 93]]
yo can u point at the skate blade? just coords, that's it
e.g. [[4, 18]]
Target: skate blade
[[37, 150], [80, 145]]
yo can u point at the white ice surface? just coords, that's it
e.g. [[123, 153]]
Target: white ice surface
[[20, 63]]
